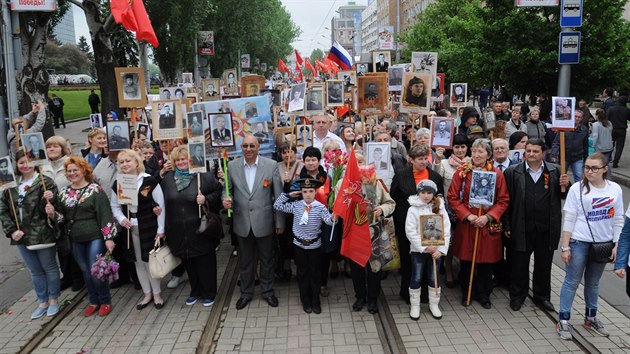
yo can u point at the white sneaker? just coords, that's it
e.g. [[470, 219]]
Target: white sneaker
[[173, 283]]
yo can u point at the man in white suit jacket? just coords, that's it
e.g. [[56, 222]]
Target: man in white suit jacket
[[254, 185]]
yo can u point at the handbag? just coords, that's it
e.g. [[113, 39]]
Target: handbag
[[210, 222], [161, 260], [598, 252]]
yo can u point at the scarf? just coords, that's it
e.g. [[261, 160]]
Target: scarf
[[182, 179]]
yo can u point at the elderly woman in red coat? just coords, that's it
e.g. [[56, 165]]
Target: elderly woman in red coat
[[489, 247]]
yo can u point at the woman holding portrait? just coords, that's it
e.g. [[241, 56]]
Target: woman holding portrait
[[195, 247], [483, 221]]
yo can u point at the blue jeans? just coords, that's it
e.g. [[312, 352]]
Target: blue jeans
[[85, 255], [421, 263], [579, 266], [577, 167], [42, 264], [609, 158]]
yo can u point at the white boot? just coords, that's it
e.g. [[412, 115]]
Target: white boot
[[414, 300], [434, 302]]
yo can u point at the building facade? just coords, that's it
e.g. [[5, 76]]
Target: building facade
[[369, 28], [65, 30], [346, 29]]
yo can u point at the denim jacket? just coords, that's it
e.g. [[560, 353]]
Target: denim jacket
[[623, 247]]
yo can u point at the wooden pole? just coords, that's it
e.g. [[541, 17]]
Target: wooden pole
[[474, 259], [435, 280], [41, 176], [17, 222], [199, 191], [563, 160], [226, 179], [129, 229]]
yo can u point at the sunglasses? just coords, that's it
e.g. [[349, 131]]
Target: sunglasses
[[248, 146]]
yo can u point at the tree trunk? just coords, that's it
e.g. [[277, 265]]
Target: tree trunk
[[103, 57], [33, 80]]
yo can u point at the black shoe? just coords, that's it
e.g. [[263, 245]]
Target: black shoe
[[317, 309], [118, 283], [546, 304], [358, 305], [242, 302], [615, 165], [515, 305], [307, 308], [141, 306], [486, 304], [64, 284], [272, 300], [334, 275], [372, 307], [465, 303], [160, 305]]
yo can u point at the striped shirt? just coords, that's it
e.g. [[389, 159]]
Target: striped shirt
[[311, 230]]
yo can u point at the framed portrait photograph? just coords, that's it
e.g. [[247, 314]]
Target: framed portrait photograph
[[482, 187], [231, 82], [35, 148], [172, 93], [380, 61], [334, 93], [372, 92], [118, 137], [143, 128], [167, 116], [416, 93], [459, 94], [281, 118], [563, 113], [424, 62], [442, 132], [274, 97], [315, 100], [517, 155], [245, 61], [96, 120], [197, 157], [131, 87], [394, 77], [260, 131], [304, 135], [194, 126], [432, 230], [251, 110], [362, 68], [7, 176], [211, 89], [378, 155], [296, 97], [349, 77], [187, 79], [221, 128]]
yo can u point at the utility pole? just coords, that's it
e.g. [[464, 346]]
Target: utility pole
[[10, 43], [397, 30]]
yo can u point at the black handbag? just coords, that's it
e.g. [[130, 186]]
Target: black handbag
[[210, 222], [598, 252]]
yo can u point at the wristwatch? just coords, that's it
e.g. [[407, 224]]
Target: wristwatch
[[565, 249]]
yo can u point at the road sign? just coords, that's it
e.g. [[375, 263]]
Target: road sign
[[569, 48], [571, 13]]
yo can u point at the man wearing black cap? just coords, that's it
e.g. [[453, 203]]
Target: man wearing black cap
[[416, 93], [308, 215]]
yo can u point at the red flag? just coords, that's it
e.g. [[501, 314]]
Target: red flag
[[334, 68], [298, 58], [321, 65], [132, 15], [341, 110], [299, 70], [283, 67], [350, 206], [310, 66]]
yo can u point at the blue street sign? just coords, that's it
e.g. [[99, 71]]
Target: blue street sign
[[571, 13], [569, 48]]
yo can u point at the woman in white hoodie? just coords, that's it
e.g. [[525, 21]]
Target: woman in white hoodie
[[423, 248]]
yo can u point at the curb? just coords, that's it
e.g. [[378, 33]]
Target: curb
[[621, 179]]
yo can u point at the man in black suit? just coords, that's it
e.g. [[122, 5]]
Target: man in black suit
[[167, 118], [381, 64], [197, 156], [378, 161], [5, 175], [220, 134], [35, 152]]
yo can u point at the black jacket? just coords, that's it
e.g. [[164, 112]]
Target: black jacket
[[403, 186], [619, 116], [514, 217], [575, 144]]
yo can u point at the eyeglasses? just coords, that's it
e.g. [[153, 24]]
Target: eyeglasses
[[592, 169], [248, 146]]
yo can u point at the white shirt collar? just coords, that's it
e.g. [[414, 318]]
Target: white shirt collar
[[247, 165], [542, 167]]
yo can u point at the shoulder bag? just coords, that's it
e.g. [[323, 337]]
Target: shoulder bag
[[599, 252], [161, 260]]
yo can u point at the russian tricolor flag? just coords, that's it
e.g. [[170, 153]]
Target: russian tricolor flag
[[340, 55]]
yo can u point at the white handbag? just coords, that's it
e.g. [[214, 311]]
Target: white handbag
[[161, 260]]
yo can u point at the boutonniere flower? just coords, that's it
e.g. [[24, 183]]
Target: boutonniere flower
[[546, 177], [26, 188], [265, 183]]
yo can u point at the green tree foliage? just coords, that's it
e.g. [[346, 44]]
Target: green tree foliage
[[493, 42], [87, 50], [262, 28], [67, 59], [316, 54]]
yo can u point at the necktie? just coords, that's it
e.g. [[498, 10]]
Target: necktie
[[501, 167], [304, 218]]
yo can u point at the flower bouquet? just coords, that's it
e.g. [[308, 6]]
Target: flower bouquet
[[105, 268], [337, 160]]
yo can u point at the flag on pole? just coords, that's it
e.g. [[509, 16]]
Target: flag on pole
[[310, 66], [132, 15], [283, 67], [322, 66], [340, 55], [298, 68], [349, 205], [298, 58]]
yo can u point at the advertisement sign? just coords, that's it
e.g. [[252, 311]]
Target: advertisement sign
[[205, 43], [34, 5], [386, 38], [531, 3]]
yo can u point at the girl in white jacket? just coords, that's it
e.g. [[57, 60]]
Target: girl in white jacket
[[427, 202]]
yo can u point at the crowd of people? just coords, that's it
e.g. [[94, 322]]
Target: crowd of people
[[281, 210]]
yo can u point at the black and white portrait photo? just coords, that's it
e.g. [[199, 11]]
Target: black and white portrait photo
[[231, 82], [395, 76], [197, 153], [380, 61], [432, 230], [118, 135], [7, 177], [563, 113], [251, 110], [378, 155], [187, 79], [305, 135], [167, 93], [315, 99], [143, 128], [131, 87], [416, 93], [362, 68], [482, 188], [211, 89], [348, 77], [517, 156], [296, 102], [221, 128], [194, 122], [131, 90], [261, 132], [459, 92], [334, 90], [167, 119], [35, 148], [96, 120], [166, 111], [442, 132], [425, 62], [281, 118]]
